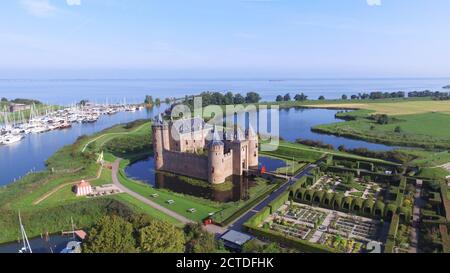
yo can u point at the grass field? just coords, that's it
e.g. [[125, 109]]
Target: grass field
[[394, 108], [69, 165], [425, 130]]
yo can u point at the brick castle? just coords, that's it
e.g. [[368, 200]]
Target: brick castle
[[196, 149]]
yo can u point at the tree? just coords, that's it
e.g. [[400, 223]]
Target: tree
[[279, 98], [321, 98], [229, 98], [111, 234], [158, 101], [161, 237], [148, 99], [354, 97], [198, 240], [4, 99], [167, 101], [398, 129], [252, 97], [300, 97], [239, 99], [287, 97], [344, 97]]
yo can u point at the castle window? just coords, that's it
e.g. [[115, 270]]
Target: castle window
[[212, 170]]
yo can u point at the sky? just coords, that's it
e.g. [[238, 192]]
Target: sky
[[225, 38]]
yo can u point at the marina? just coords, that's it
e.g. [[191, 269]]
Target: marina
[[34, 149], [55, 118]]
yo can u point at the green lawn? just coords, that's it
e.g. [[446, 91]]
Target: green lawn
[[146, 209], [288, 151], [419, 130], [66, 193], [182, 203]]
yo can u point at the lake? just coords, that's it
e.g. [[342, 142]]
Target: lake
[[67, 91]]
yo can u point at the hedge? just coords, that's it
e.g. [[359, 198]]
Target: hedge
[[245, 207], [278, 202], [301, 245], [392, 234], [259, 217]]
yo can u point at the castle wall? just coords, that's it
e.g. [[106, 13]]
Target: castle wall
[[228, 164], [186, 164]]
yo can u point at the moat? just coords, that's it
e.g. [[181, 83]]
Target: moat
[[144, 171]]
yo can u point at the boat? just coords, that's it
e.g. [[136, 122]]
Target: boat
[[26, 243], [10, 139]]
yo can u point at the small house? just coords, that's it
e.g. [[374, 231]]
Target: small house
[[83, 188]]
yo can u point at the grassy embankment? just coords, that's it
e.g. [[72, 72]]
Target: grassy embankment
[[412, 123], [69, 165], [416, 123]]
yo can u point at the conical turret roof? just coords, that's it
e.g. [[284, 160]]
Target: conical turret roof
[[216, 140]]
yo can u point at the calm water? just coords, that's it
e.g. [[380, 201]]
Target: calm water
[[31, 153], [56, 242], [70, 91]]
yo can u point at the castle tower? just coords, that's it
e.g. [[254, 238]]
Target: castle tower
[[240, 149], [253, 146], [215, 160], [157, 129]]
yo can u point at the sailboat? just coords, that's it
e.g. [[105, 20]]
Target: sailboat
[[26, 244]]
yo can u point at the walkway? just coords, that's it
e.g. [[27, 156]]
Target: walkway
[[112, 134], [238, 224], [414, 234], [115, 170], [47, 195]]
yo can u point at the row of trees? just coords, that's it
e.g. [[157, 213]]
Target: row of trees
[[217, 98], [21, 101], [150, 101], [314, 143], [287, 97], [140, 233], [427, 93]]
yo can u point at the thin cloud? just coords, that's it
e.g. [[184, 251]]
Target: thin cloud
[[39, 8], [73, 2], [374, 3]]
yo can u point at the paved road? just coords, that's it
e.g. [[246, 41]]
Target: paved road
[[238, 224], [419, 203], [115, 170]]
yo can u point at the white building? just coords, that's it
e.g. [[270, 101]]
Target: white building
[[83, 188]]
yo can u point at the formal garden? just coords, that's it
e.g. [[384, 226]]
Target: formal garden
[[348, 185], [340, 232]]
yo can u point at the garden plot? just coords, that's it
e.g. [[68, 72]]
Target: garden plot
[[354, 187], [341, 231]]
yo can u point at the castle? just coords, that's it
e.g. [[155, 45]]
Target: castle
[[194, 148]]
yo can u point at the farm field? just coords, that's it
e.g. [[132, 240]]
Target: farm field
[[393, 108]]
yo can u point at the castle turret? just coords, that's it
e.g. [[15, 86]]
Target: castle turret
[[253, 146], [240, 149], [157, 129], [215, 159]]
